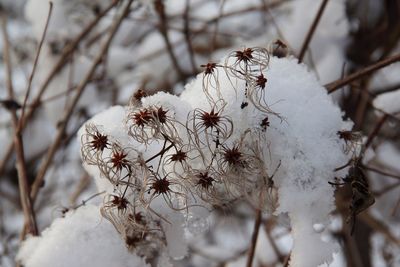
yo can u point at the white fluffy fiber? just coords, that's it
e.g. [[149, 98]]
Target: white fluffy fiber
[[82, 238]]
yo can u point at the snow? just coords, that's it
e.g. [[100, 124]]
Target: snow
[[82, 238]]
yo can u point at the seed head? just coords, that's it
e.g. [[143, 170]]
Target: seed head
[[99, 142], [233, 156], [209, 68], [205, 180], [119, 160], [161, 114], [120, 202], [160, 186], [210, 119], [140, 94], [261, 81], [246, 55], [142, 117], [179, 156], [264, 123]]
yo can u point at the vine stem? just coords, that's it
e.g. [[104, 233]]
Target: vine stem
[[333, 86], [254, 238], [312, 29]]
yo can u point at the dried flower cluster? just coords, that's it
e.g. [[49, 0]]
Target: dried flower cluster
[[197, 161], [202, 157]]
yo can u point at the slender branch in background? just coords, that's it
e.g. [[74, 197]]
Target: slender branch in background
[[333, 86], [361, 104], [254, 238], [64, 58], [375, 131], [186, 30], [379, 227], [312, 30], [68, 112], [163, 28], [26, 203], [35, 62], [372, 169], [396, 207], [215, 32], [385, 89], [386, 189], [350, 248], [281, 258]]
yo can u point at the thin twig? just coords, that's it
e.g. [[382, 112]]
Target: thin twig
[[68, 112], [375, 131], [311, 31], [281, 258], [163, 28], [35, 62], [362, 104], [216, 27], [254, 238], [333, 86], [83, 184], [379, 227], [372, 169], [385, 89], [386, 189], [26, 203], [186, 30], [396, 207], [68, 50]]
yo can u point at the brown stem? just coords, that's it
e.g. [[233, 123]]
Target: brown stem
[[254, 238], [372, 169], [396, 207], [35, 62], [333, 86], [281, 258], [216, 27], [386, 189], [186, 30], [68, 112], [375, 131], [312, 30], [23, 185], [379, 227], [163, 28]]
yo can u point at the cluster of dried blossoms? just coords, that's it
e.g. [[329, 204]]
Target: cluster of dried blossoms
[[200, 161]]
